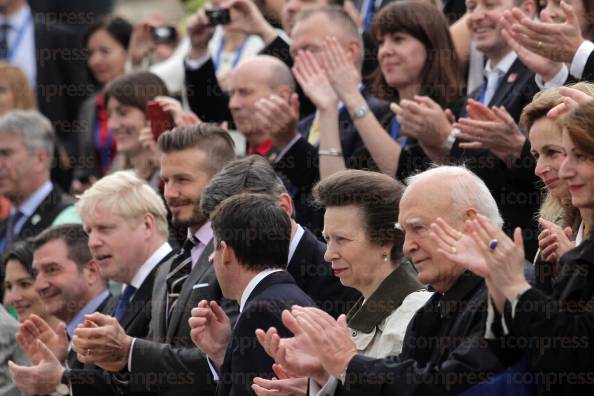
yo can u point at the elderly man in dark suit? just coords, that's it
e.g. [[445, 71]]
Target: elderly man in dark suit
[[306, 253], [252, 236], [166, 362]]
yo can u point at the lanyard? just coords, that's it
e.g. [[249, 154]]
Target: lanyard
[[395, 131], [19, 37], [217, 60]]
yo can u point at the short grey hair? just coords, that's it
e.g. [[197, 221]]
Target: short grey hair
[[341, 23], [252, 174], [466, 190], [33, 127]]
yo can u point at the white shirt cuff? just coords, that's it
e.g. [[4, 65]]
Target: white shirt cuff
[[555, 82], [213, 370], [130, 354], [195, 64], [286, 149], [328, 389], [578, 63]]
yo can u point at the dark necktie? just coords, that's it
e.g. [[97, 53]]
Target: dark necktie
[[10, 231], [181, 269], [124, 301], [4, 28]]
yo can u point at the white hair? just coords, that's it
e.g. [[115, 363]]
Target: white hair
[[127, 195], [466, 190]]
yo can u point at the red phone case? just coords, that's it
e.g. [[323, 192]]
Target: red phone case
[[159, 118]]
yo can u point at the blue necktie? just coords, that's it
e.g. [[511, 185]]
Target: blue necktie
[[124, 301], [10, 232]]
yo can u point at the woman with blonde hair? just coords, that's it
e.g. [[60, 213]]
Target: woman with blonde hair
[[562, 224], [15, 91]]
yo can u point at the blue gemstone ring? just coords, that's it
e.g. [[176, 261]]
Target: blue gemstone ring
[[493, 244]]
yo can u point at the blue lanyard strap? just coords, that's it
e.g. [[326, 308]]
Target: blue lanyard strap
[[19, 37], [217, 60], [395, 131]]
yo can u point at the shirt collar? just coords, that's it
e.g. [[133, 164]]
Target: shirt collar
[[32, 203], [295, 241], [503, 66], [17, 19], [452, 301], [149, 265], [263, 149], [252, 285], [203, 235], [87, 310]]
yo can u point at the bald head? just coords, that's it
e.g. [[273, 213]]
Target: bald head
[[269, 69], [457, 188]]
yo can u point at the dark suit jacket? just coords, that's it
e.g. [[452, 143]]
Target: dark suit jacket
[[167, 361], [245, 358], [62, 85], [314, 276], [62, 82], [557, 330], [44, 215], [135, 321], [443, 351]]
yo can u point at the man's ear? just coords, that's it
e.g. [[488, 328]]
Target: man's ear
[[470, 213], [284, 91], [92, 273], [286, 203], [529, 8], [354, 51], [227, 253]]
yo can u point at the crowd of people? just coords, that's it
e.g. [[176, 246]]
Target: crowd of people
[[298, 197]]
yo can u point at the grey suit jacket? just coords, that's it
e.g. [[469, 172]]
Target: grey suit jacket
[[167, 361], [9, 350]]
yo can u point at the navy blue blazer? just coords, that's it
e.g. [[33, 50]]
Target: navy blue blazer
[[245, 358]]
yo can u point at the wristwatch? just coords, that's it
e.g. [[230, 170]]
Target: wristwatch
[[360, 112], [449, 143], [63, 387]]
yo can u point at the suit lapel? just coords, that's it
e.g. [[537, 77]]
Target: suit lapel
[[197, 272], [160, 299], [141, 298], [507, 83]]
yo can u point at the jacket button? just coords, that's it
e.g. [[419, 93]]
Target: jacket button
[[354, 333]]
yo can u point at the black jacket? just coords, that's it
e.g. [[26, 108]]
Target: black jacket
[[443, 353], [245, 358]]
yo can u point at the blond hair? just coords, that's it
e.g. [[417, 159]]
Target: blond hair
[[19, 86], [128, 196]]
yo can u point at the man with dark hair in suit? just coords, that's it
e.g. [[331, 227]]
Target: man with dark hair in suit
[[252, 237], [166, 362], [71, 285], [306, 253]]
